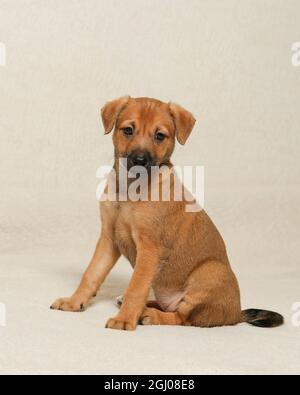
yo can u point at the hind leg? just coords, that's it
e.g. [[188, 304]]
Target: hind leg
[[212, 296]]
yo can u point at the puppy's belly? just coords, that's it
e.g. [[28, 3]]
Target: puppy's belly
[[169, 301]]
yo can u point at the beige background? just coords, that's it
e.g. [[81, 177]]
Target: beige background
[[229, 62]]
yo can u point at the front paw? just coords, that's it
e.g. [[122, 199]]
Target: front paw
[[125, 324], [67, 304]]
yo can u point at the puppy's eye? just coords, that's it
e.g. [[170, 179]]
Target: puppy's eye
[[128, 131], [159, 136]]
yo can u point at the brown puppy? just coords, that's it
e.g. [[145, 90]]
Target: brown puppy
[[179, 254]]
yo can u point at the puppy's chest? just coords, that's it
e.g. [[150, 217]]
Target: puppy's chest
[[127, 229], [124, 228]]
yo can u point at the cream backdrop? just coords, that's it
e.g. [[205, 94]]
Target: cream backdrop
[[229, 62]]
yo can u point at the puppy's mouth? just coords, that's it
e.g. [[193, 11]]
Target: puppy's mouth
[[141, 158]]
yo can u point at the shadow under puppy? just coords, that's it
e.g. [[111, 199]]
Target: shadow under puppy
[[179, 254]]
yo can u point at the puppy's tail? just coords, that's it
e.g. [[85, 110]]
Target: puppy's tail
[[262, 318]]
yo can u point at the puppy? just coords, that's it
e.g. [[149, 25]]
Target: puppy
[[179, 254]]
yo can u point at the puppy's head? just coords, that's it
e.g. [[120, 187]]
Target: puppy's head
[[145, 129]]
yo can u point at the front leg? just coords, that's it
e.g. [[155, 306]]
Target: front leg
[[105, 256], [137, 292]]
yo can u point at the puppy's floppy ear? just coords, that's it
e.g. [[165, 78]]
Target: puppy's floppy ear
[[111, 111], [183, 120]]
